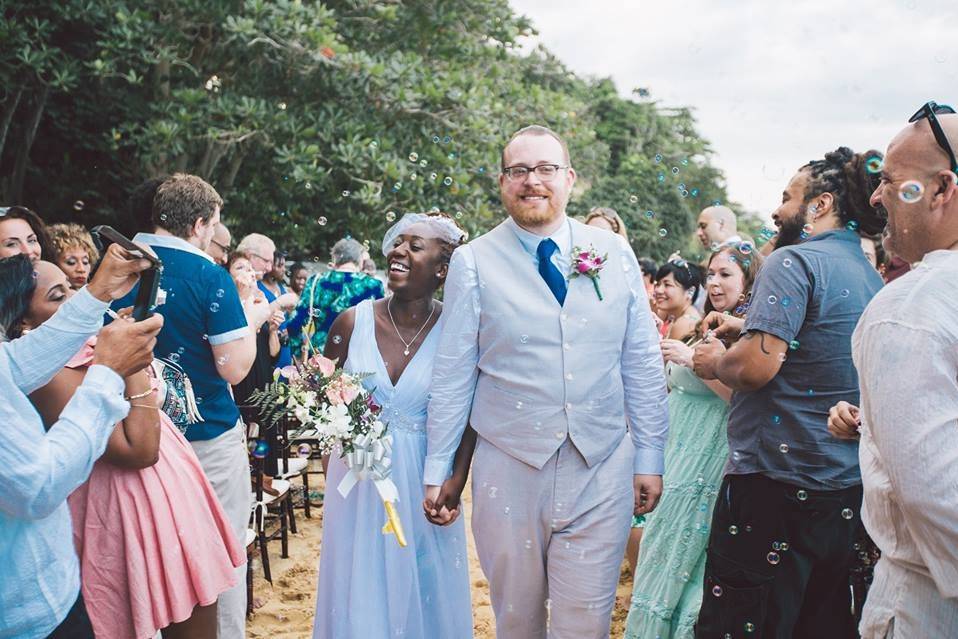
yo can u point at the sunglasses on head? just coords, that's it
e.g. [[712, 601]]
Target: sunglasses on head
[[930, 111]]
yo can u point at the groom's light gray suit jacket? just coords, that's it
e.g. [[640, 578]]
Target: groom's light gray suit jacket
[[527, 373]]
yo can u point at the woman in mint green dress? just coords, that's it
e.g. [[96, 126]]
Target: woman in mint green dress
[[667, 589]]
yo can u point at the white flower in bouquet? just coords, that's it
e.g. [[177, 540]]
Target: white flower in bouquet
[[337, 421]]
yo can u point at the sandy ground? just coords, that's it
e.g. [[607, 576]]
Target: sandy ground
[[288, 605]]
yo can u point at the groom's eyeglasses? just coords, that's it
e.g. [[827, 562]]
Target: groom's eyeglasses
[[544, 172], [930, 111]]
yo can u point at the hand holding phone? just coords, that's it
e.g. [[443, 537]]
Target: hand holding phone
[[116, 273]]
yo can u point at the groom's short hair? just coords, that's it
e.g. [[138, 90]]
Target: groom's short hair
[[536, 129]]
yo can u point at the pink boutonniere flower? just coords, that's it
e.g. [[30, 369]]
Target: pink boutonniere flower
[[588, 263]]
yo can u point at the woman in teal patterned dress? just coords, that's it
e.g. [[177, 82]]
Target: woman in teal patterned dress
[[326, 296], [667, 589]]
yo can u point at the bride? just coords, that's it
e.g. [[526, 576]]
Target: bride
[[368, 585]]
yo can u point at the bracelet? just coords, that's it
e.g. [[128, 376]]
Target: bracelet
[[138, 395], [142, 405]]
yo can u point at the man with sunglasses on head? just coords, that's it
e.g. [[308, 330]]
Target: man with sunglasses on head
[[906, 350]]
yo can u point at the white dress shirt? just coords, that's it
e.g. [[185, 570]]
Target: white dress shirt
[[906, 351], [39, 571], [455, 370]]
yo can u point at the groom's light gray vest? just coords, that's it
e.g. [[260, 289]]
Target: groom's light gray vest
[[548, 372]]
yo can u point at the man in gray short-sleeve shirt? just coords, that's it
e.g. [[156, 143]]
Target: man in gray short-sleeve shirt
[[781, 544]]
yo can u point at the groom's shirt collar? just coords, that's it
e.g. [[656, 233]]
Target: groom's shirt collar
[[562, 236]]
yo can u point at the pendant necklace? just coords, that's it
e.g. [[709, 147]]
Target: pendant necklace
[[416, 336]]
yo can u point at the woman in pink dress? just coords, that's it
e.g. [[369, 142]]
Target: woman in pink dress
[[155, 548]]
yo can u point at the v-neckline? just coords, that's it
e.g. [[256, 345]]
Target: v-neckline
[[379, 353]]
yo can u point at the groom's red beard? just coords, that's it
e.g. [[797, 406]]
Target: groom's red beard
[[530, 213]]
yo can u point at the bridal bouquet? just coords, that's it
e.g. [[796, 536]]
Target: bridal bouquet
[[345, 418]]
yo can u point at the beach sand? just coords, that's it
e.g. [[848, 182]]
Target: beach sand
[[289, 604]]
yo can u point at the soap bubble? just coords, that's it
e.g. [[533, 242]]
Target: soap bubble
[[802, 495], [874, 164], [413, 157], [733, 530], [220, 292], [663, 232], [345, 193], [322, 220], [793, 345], [783, 448], [447, 180], [847, 513], [773, 558], [78, 205], [390, 216], [633, 199], [911, 192], [214, 307]]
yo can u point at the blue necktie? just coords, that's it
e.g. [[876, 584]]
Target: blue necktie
[[554, 279]]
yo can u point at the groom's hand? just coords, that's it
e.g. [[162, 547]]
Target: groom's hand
[[435, 508], [648, 489]]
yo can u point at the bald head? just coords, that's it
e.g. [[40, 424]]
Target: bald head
[[219, 247], [919, 190], [716, 224]]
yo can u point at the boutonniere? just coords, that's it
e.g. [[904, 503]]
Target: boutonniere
[[588, 263]]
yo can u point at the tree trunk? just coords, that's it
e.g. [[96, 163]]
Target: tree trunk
[[239, 154], [9, 108], [23, 153]]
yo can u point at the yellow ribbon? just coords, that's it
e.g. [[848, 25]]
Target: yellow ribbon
[[393, 525]]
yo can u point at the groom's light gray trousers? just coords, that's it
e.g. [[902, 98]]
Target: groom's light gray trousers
[[551, 541]]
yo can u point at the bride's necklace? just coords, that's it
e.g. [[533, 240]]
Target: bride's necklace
[[416, 336]]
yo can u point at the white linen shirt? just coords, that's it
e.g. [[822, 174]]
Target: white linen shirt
[[39, 570], [905, 348], [456, 365]]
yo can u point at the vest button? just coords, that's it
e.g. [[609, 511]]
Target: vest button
[[567, 346], [560, 435], [568, 406], [568, 376]]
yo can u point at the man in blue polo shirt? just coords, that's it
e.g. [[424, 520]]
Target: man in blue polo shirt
[[781, 544], [207, 334]]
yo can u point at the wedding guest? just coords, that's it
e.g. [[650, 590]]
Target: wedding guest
[[780, 548], [74, 252], [667, 591], [148, 479], [677, 285], [39, 571], [267, 351], [368, 585], [208, 334], [297, 278], [219, 248], [717, 225], [369, 267], [22, 231], [904, 348], [140, 206], [272, 284], [607, 218], [870, 248], [327, 295]]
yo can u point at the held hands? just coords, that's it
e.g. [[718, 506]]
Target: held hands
[[441, 503], [678, 352], [126, 346], [648, 490], [844, 421], [706, 357], [118, 272]]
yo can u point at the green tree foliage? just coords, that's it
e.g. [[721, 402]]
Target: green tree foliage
[[317, 120]]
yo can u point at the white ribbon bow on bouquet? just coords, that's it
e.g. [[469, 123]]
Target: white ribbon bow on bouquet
[[372, 459]]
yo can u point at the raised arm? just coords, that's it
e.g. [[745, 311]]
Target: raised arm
[[455, 370], [38, 470]]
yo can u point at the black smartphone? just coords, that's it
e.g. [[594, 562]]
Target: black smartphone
[[149, 285]]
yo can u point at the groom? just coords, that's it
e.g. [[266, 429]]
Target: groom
[[549, 371]]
